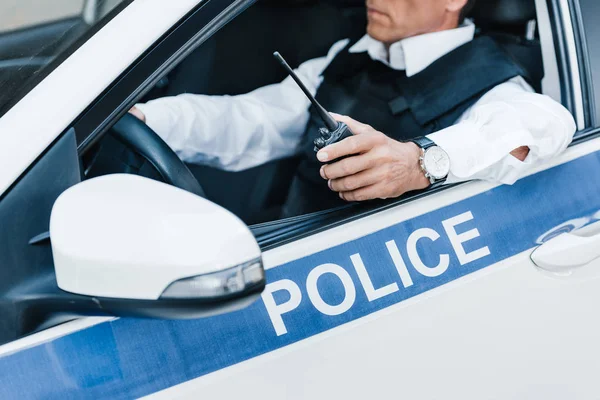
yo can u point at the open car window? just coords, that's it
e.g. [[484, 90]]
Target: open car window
[[220, 66], [38, 35]]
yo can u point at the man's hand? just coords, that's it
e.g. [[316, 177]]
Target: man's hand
[[137, 113], [379, 167]]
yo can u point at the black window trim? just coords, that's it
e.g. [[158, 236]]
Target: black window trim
[[592, 130], [585, 71]]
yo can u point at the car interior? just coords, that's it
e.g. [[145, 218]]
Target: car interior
[[231, 63]]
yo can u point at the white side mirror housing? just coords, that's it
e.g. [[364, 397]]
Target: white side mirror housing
[[128, 237]]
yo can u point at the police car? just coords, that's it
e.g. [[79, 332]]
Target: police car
[[117, 282]]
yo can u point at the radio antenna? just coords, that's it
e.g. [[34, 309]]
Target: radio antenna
[[329, 121]]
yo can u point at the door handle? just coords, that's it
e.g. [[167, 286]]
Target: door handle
[[566, 252]]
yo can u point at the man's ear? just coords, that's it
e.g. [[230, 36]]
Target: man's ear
[[455, 6]]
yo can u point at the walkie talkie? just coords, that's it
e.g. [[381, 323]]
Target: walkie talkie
[[333, 131]]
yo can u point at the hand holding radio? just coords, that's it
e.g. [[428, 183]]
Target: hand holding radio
[[369, 164], [381, 168]]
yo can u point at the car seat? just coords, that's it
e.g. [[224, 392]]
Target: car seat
[[512, 23], [238, 59]]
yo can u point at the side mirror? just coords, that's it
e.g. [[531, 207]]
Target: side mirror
[[143, 248]]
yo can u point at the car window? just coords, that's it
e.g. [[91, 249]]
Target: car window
[[220, 66], [36, 35]]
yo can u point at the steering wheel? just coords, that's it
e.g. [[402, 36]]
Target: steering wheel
[[142, 140]]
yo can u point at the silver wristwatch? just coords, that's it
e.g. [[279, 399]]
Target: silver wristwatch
[[434, 161]]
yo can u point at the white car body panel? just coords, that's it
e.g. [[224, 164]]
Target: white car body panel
[[491, 334], [471, 339]]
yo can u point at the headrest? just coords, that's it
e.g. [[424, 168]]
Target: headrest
[[503, 12]]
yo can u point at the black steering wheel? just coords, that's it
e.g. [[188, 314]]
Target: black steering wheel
[[139, 138]]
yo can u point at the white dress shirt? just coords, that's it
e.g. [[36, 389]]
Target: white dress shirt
[[240, 132]]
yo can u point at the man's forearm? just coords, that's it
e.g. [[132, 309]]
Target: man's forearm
[[510, 121], [232, 133], [238, 132]]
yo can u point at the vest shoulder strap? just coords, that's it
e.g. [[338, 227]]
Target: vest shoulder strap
[[460, 76]]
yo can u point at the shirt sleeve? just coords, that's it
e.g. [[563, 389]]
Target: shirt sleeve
[[508, 117], [239, 132]]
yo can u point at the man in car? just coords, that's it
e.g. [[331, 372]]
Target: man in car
[[440, 104]]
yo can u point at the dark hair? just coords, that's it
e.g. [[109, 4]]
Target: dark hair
[[466, 10]]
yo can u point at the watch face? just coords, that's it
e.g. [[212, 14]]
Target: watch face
[[436, 162]]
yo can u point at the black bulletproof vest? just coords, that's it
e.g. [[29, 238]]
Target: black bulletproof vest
[[401, 107]]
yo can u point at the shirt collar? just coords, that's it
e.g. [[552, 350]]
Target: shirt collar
[[416, 53]]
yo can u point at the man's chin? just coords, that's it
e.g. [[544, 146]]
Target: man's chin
[[379, 33]]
